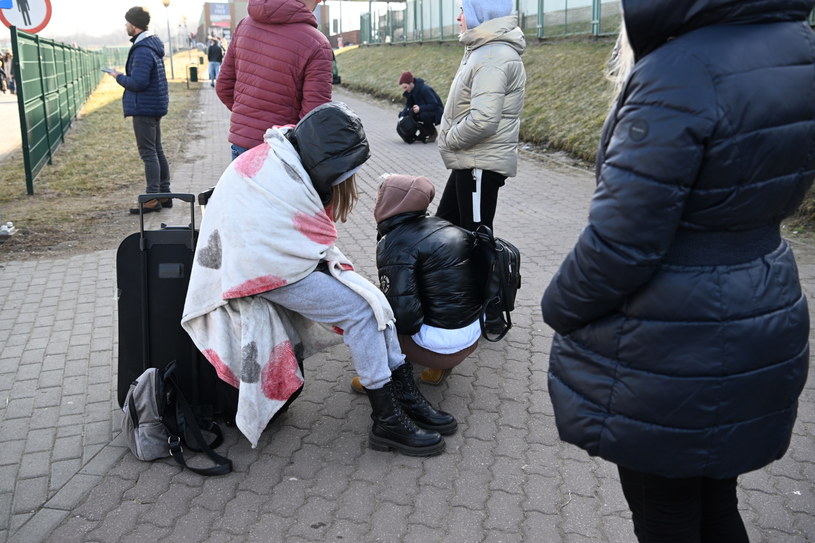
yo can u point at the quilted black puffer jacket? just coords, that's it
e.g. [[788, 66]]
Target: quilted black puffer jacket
[[682, 331], [426, 272]]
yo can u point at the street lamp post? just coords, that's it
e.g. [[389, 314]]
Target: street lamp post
[[169, 38]]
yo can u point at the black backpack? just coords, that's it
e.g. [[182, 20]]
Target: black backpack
[[157, 421], [499, 262], [408, 128]]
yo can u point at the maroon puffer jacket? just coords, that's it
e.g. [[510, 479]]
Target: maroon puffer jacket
[[277, 68]]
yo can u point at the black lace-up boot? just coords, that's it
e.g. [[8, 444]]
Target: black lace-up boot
[[393, 429], [416, 406]]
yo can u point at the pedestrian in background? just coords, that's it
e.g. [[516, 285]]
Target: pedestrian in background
[[8, 58], [3, 76], [278, 67], [146, 99], [478, 137], [423, 103], [681, 343], [215, 55]]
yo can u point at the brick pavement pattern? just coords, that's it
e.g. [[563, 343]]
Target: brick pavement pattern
[[66, 475]]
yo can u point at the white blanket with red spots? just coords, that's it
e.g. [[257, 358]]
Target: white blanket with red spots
[[264, 227]]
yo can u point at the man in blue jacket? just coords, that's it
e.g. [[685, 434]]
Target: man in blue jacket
[[146, 99], [423, 103]]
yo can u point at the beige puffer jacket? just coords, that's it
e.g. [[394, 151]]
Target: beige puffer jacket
[[481, 121]]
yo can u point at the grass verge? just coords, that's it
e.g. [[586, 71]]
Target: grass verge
[[567, 96]]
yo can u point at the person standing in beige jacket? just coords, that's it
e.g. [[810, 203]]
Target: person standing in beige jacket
[[478, 136]]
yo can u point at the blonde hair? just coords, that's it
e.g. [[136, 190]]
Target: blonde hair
[[344, 198], [621, 63]]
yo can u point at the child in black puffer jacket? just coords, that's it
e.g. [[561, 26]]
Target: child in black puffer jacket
[[427, 273]]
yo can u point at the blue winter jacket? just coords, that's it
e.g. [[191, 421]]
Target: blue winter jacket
[[146, 93], [682, 331]]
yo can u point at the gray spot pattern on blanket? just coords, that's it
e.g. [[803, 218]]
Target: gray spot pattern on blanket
[[291, 171], [210, 256], [250, 369]]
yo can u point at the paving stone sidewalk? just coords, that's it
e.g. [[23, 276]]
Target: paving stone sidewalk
[[66, 476]]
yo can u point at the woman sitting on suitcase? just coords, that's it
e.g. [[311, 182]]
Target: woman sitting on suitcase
[[427, 273], [268, 284]]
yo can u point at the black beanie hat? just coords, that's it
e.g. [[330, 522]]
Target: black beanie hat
[[138, 17]]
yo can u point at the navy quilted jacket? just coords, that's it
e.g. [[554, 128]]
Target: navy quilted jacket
[[146, 93], [682, 331]]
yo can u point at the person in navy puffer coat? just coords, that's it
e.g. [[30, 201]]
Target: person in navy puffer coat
[[146, 98], [681, 342]]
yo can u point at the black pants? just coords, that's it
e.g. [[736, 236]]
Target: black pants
[[459, 198], [427, 131], [689, 510], [148, 140]]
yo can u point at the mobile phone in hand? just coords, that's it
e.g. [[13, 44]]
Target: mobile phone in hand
[[108, 70]]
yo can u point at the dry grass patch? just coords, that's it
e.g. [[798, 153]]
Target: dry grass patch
[[81, 200], [567, 96]]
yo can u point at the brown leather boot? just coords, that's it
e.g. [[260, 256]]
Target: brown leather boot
[[433, 376], [357, 387], [149, 206]]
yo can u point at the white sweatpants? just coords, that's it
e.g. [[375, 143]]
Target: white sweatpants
[[322, 298]]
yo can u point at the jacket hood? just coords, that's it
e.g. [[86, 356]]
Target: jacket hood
[[650, 23], [401, 194], [152, 41], [502, 29], [280, 12], [331, 142]]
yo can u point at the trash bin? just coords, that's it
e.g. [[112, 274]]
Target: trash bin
[[200, 60], [192, 73]]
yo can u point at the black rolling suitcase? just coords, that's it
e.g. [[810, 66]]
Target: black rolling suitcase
[[152, 274]]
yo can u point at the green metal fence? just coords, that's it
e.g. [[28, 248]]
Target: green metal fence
[[115, 57], [53, 82], [435, 20]]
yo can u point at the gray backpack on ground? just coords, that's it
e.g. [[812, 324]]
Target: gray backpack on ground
[[157, 421]]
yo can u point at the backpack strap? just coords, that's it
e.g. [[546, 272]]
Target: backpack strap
[[222, 465], [484, 235]]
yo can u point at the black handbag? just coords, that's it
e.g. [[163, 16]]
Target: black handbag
[[499, 262], [408, 128]]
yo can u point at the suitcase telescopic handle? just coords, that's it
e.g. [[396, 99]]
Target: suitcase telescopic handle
[[189, 198], [178, 195]]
